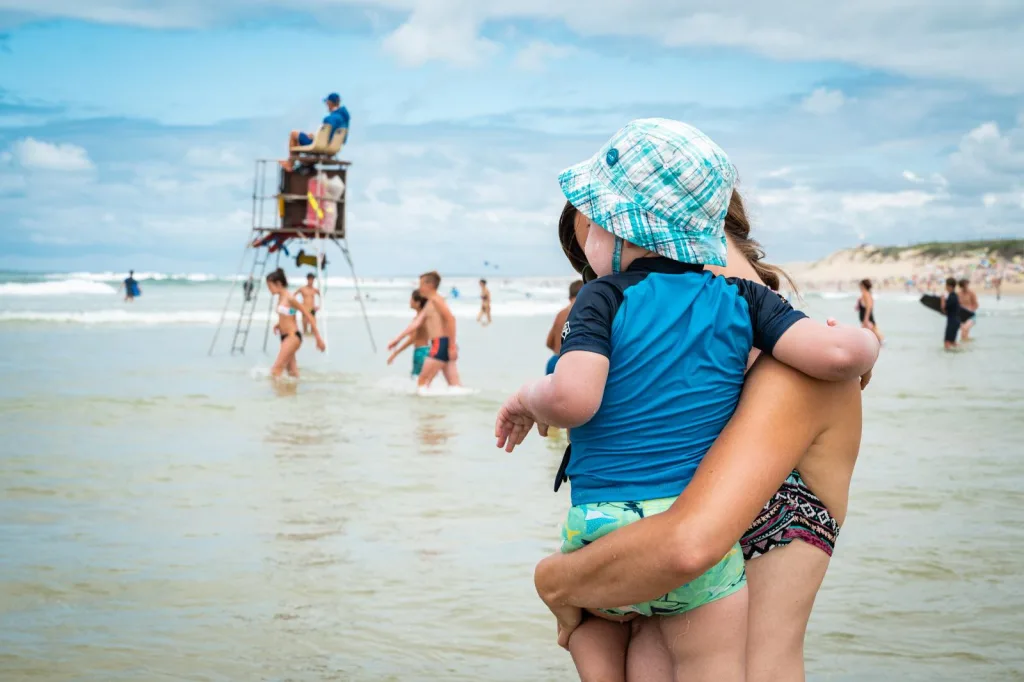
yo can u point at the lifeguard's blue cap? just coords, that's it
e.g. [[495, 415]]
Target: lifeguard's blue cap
[[333, 98]]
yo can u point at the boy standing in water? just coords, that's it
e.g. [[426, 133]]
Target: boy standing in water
[[951, 306], [441, 326], [308, 294], [554, 342], [417, 333], [968, 301]]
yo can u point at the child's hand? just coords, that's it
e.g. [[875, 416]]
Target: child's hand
[[391, 358], [569, 618], [320, 345], [391, 346], [513, 423]]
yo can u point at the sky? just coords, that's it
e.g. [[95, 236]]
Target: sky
[[128, 128]]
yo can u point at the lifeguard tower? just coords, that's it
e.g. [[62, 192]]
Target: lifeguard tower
[[307, 211]]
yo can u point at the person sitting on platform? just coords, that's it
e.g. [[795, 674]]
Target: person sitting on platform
[[337, 117]]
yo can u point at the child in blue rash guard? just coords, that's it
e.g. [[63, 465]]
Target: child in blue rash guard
[[650, 371]]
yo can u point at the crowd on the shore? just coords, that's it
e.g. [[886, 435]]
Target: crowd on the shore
[[991, 276]]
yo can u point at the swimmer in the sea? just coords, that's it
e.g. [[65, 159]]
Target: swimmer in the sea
[[484, 317], [415, 335], [440, 324], [866, 309], [968, 301], [291, 337], [309, 294], [951, 308]]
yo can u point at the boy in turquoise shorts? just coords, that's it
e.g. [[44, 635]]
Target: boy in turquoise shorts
[[415, 335]]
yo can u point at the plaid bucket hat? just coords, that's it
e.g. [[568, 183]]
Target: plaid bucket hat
[[660, 184]]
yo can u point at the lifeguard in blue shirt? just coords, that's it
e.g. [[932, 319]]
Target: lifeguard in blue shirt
[[650, 371], [337, 118]]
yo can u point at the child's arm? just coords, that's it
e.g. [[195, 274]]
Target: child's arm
[[398, 351], [413, 326], [830, 353], [572, 395], [567, 398], [824, 352]]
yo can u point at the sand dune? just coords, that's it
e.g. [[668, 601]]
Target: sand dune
[[924, 266]]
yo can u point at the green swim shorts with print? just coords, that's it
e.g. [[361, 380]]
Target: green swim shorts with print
[[587, 522]]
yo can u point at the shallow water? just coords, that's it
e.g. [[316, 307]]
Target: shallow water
[[166, 515]]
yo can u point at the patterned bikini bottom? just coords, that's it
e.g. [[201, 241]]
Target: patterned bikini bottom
[[793, 513]]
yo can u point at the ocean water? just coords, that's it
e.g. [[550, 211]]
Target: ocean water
[[172, 515]]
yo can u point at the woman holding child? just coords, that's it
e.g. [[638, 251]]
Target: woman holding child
[[649, 377]]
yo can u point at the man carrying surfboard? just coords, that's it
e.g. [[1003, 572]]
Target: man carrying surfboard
[[951, 307], [131, 287]]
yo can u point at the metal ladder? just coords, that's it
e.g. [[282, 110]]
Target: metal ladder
[[263, 224], [256, 272]]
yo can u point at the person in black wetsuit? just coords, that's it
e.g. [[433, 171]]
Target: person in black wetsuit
[[951, 306]]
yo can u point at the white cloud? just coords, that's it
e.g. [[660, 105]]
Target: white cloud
[[912, 37], [442, 30], [209, 157], [537, 54], [911, 176], [33, 153], [866, 202], [988, 159], [823, 101]]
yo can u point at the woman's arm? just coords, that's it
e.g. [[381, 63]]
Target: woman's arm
[[781, 412]]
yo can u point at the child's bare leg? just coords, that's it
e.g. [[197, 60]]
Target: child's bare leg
[[647, 658], [709, 644], [598, 649]]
